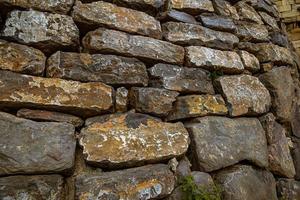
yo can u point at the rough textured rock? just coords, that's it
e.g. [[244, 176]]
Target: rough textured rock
[[147, 182], [183, 168], [269, 20], [211, 59], [20, 58], [244, 94], [45, 147], [244, 182], [70, 96], [280, 84], [218, 142], [109, 69], [149, 49], [106, 14], [47, 32], [279, 38], [247, 12], [181, 79], [32, 187], [192, 6], [224, 8], [154, 101], [250, 62], [202, 178], [296, 156], [131, 139], [295, 121], [264, 5], [174, 15], [50, 116], [252, 32], [54, 6], [288, 189], [217, 22], [280, 159], [197, 105], [122, 99]]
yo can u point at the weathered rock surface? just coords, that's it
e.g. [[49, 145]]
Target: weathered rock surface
[[247, 12], [192, 6], [280, 159], [295, 121], [269, 20], [211, 59], [122, 99], [156, 101], [18, 91], [224, 8], [50, 116], [20, 58], [280, 84], [45, 147], [102, 13], [288, 189], [131, 139], [109, 69], [296, 156], [181, 79], [250, 62], [279, 38], [47, 32], [149, 49], [244, 182], [218, 142], [147, 182], [174, 15], [32, 187], [217, 22], [252, 32], [196, 106], [244, 94], [192, 34], [264, 5], [183, 168], [54, 6]]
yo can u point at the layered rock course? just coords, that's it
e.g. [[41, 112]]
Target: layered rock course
[[124, 100]]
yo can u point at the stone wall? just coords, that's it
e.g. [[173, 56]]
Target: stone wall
[[119, 100]]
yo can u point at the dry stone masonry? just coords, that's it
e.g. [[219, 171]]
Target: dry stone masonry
[[124, 99]]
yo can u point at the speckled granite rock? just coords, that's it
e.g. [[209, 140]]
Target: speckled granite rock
[[247, 12], [250, 62], [252, 32], [192, 6]]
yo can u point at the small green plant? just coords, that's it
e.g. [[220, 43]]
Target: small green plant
[[215, 74], [194, 192]]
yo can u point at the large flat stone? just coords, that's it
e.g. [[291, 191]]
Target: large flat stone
[[288, 189], [148, 49], [244, 94], [177, 16], [147, 182], [214, 60], [109, 69], [20, 58], [192, 6], [245, 182], [218, 142], [45, 31], [196, 106], [131, 139], [181, 79], [252, 32], [45, 147], [192, 34], [102, 13], [32, 187], [218, 22], [84, 99]]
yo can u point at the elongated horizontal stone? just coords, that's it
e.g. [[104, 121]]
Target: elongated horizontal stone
[[109, 69], [218, 142], [217, 22], [137, 139], [45, 147], [147, 182], [181, 79], [20, 58], [45, 31], [196, 106], [69, 96], [54, 6], [211, 59], [192, 6], [149, 6], [32, 187], [192, 34], [102, 13], [252, 32], [177, 16]]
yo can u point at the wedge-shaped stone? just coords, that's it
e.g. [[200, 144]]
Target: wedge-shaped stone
[[32, 187], [131, 139], [244, 182], [211, 59], [196, 106], [269, 20], [29, 147], [192, 6], [217, 22], [102, 13], [288, 189], [181, 79], [224, 8], [148, 49], [69, 96], [47, 32], [252, 32], [192, 34], [147, 182], [247, 12], [54, 6], [21, 58], [109, 69], [244, 94], [218, 142], [250, 62]]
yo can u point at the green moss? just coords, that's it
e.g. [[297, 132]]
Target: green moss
[[215, 74]]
